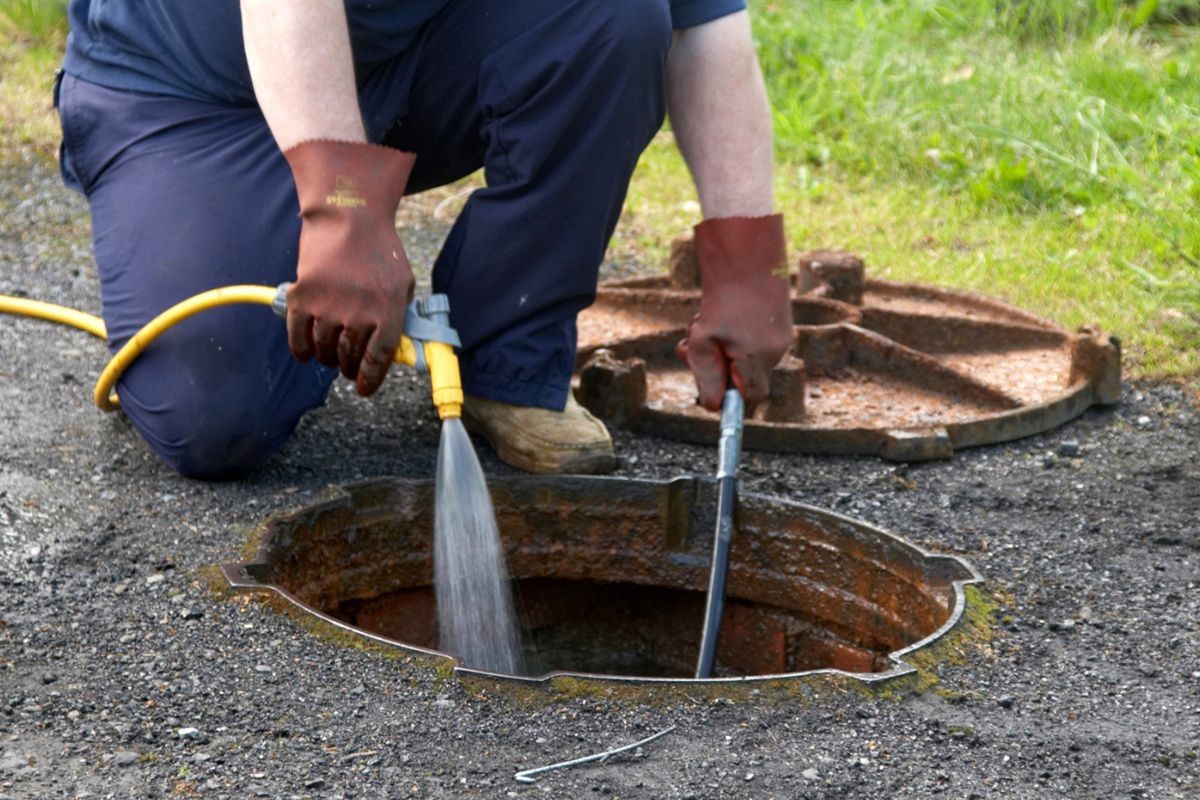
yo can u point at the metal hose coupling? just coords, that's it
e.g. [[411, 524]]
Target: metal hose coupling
[[427, 346]]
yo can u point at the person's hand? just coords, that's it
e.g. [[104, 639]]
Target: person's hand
[[745, 321], [353, 279]]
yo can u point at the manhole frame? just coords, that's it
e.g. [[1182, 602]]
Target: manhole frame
[[240, 577], [612, 374]]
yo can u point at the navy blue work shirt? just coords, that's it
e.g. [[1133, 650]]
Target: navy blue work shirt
[[193, 48]]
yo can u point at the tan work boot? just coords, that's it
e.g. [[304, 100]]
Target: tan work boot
[[539, 440]]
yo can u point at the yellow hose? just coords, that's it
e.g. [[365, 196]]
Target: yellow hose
[[440, 357], [105, 397], [49, 311]]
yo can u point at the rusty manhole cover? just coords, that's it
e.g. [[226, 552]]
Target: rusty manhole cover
[[903, 371], [610, 577]]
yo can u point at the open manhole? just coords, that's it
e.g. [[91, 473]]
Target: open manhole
[[903, 371], [610, 575]]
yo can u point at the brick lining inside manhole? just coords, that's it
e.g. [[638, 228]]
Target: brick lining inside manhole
[[610, 577]]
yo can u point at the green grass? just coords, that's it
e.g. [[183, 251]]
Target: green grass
[[32, 35], [1045, 151], [27, 118], [38, 22]]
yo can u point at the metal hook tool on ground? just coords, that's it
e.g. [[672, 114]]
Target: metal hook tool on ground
[[527, 776]]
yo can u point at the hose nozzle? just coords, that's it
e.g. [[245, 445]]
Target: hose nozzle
[[427, 322], [427, 346]]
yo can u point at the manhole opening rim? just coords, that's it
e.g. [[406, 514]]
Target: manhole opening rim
[[240, 577]]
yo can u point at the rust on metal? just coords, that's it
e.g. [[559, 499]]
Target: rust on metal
[[610, 577], [904, 371]]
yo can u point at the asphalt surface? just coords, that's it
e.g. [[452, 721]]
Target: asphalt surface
[[122, 675]]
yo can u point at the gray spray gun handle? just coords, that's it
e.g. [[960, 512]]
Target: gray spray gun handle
[[426, 319]]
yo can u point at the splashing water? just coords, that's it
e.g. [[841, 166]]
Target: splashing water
[[476, 621]]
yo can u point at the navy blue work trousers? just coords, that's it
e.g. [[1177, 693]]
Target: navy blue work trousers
[[554, 99]]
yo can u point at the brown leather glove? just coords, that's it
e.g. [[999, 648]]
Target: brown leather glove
[[745, 322], [353, 279]]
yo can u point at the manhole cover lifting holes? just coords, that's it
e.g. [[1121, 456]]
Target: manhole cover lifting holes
[[610, 577], [903, 371]]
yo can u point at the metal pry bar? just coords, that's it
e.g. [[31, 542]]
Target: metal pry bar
[[729, 455]]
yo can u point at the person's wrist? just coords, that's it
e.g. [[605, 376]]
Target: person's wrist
[[735, 249], [349, 177]]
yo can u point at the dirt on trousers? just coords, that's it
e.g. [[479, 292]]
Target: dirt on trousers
[[123, 675]]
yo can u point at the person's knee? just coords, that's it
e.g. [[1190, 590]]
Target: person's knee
[[206, 440], [215, 401], [225, 453]]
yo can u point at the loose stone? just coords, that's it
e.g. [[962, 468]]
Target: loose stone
[[1069, 449]]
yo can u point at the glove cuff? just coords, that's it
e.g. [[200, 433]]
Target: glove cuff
[[350, 177], [738, 249]]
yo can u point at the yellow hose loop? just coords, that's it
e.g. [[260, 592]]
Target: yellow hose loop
[[53, 313], [106, 399], [440, 359]]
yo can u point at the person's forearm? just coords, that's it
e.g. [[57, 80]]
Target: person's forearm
[[303, 73], [721, 116]]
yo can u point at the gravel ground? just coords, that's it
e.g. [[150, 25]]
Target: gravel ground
[[122, 676]]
